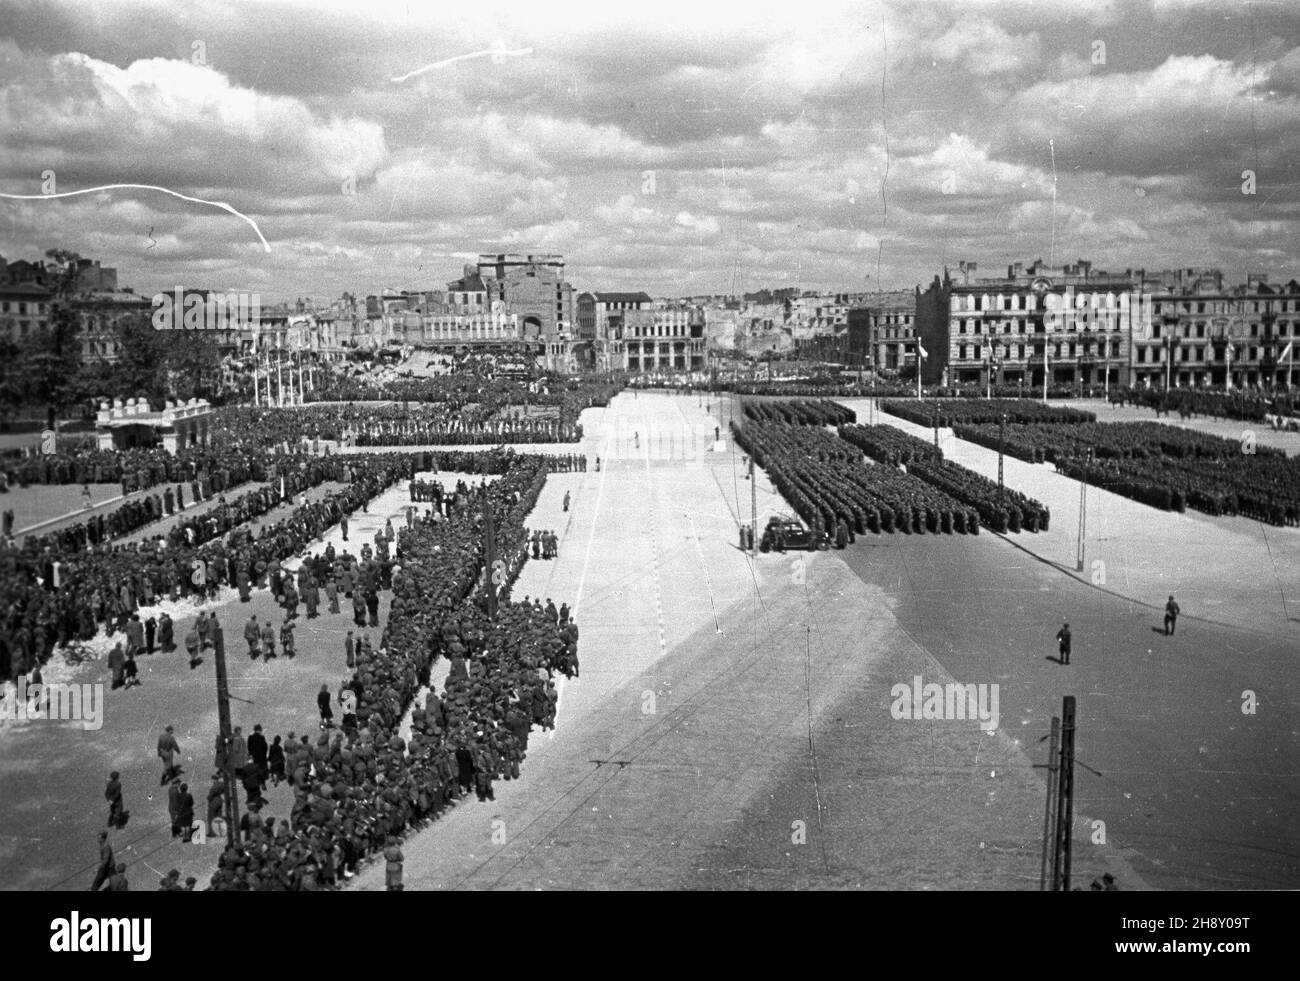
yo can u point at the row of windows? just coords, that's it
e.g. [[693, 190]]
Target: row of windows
[[22, 305], [660, 330], [1019, 326], [1023, 301], [1196, 354], [1283, 328], [1018, 351], [1227, 306]]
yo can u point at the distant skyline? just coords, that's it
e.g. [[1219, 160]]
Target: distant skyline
[[841, 147]]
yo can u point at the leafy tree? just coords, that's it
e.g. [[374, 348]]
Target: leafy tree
[[141, 361], [194, 363]]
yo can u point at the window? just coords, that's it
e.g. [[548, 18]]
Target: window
[[1200, 327], [1142, 355]]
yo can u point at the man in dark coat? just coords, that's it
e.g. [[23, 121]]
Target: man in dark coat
[[1063, 642], [166, 634], [113, 794], [253, 635], [185, 812], [174, 806], [167, 750], [1171, 616], [464, 769], [117, 665], [257, 752], [106, 862], [323, 700]]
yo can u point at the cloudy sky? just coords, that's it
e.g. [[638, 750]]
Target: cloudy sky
[[677, 147]]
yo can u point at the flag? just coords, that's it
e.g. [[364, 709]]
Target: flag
[[1286, 351], [921, 350]]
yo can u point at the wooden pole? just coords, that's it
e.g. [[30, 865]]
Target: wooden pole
[[1049, 818], [223, 721], [1065, 796], [753, 509]]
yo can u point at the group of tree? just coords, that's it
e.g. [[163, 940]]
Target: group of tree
[[46, 374]]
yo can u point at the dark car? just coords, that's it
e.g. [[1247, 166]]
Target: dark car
[[786, 533]]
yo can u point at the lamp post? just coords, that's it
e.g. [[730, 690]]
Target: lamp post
[[1083, 507]]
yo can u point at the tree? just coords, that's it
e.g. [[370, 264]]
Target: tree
[[194, 363], [141, 360]]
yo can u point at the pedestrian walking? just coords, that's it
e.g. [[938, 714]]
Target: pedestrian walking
[[1063, 642], [1171, 616], [323, 703], [253, 636], [106, 862], [168, 747], [113, 794], [566, 500]]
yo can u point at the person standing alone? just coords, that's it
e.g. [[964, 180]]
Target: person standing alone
[[1063, 640], [1171, 616]]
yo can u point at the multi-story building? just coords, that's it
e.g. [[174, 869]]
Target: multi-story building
[[101, 318], [1201, 332], [1071, 324], [533, 288], [600, 324], [24, 309], [668, 337]]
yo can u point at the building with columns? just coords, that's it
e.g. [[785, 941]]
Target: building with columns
[[123, 425], [669, 337]]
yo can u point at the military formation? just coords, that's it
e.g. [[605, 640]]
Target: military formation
[[359, 785], [53, 595]]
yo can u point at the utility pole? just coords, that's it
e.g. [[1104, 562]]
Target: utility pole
[[753, 509], [223, 721], [1002, 439], [1049, 818], [1083, 507], [490, 555], [1065, 800], [1045, 372], [936, 424]]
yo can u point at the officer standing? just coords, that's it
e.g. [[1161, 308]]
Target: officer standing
[[1063, 642]]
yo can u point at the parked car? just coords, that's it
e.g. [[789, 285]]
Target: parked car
[[791, 535]]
